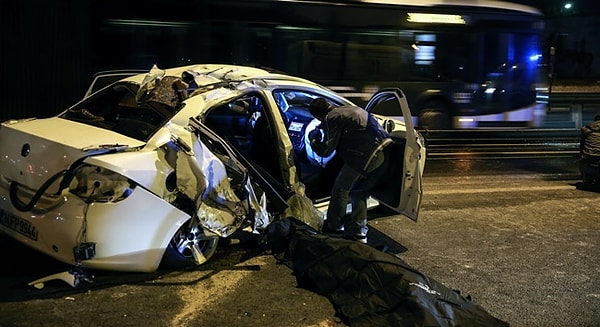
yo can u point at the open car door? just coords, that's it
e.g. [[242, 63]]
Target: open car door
[[401, 190]]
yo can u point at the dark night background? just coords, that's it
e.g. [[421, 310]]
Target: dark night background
[[47, 56], [552, 8]]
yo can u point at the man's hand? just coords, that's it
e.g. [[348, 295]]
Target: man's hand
[[315, 135]]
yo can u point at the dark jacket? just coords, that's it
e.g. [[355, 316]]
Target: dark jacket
[[590, 141], [355, 134]]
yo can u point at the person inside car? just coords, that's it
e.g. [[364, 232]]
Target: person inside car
[[359, 140]]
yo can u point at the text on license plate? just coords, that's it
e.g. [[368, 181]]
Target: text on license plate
[[19, 225]]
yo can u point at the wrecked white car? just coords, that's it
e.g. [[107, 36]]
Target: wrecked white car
[[157, 167]]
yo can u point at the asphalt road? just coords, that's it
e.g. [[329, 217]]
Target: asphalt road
[[515, 235]]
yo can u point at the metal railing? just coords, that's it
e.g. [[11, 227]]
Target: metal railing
[[573, 100], [501, 143]]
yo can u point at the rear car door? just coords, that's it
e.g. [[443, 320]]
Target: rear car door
[[402, 190]]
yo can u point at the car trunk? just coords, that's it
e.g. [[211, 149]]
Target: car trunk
[[32, 151]]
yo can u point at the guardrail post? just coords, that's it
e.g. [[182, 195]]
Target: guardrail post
[[577, 114]]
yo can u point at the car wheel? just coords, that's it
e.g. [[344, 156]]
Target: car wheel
[[189, 246], [434, 117]]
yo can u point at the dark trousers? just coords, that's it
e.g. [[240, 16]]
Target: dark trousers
[[350, 185]]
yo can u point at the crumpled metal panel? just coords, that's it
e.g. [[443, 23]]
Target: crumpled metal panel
[[202, 176], [301, 208]]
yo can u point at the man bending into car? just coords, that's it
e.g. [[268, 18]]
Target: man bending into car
[[359, 140]]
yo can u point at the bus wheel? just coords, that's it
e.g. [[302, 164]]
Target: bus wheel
[[434, 119]]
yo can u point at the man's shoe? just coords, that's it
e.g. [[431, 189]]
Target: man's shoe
[[358, 237], [361, 238]]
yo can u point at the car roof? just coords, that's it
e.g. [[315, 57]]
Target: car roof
[[221, 82], [222, 79], [218, 73]]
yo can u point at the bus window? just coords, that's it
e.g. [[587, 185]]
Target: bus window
[[314, 59], [477, 67]]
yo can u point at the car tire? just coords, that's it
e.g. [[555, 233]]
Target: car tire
[[189, 247], [434, 119]]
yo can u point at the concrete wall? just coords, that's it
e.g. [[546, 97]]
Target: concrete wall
[[577, 42]]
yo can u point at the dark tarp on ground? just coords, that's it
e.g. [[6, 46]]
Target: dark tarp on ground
[[368, 287]]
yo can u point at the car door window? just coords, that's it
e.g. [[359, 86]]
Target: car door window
[[246, 124]]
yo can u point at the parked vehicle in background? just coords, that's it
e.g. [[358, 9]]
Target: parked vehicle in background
[[157, 167], [461, 64]]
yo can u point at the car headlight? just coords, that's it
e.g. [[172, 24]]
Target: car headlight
[[97, 184]]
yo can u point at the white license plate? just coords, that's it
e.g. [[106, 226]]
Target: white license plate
[[19, 225]]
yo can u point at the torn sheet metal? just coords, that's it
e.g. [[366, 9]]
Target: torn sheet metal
[[261, 217], [301, 208], [202, 176], [150, 81]]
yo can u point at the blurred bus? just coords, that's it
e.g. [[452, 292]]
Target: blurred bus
[[461, 64]]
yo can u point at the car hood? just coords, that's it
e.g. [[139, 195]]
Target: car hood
[[34, 150]]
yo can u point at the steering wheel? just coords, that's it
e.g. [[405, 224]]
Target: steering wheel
[[313, 158]]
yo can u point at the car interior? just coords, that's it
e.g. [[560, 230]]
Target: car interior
[[117, 109], [247, 124]]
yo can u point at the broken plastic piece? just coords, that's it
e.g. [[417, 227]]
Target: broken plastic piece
[[72, 277]]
